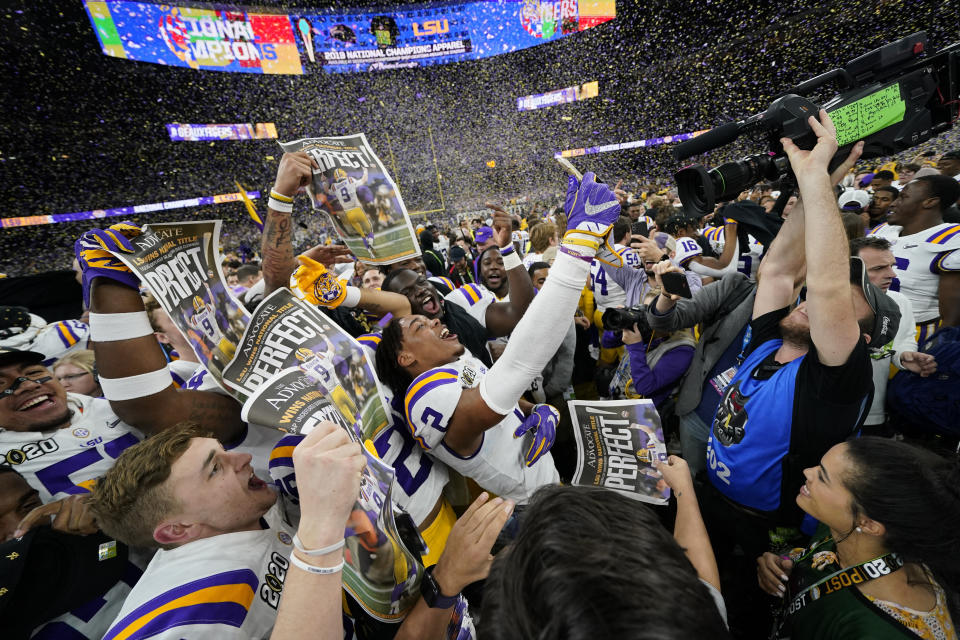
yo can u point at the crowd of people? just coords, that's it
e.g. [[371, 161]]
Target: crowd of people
[[802, 358]]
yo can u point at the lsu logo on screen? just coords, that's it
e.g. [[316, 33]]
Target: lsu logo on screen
[[431, 27]]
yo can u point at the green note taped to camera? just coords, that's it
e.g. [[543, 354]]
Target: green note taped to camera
[[868, 115]]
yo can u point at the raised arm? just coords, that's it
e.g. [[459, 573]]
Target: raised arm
[[276, 246], [132, 368], [159, 407], [830, 309], [689, 530], [537, 337], [502, 317]]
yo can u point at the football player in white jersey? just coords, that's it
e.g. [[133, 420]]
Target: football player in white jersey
[[230, 548], [488, 317], [60, 443], [726, 243], [925, 251], [606, 292], [344, 190], [470, 418]]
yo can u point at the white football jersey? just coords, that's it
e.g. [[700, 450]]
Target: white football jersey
[[181, 371], [474, 299], [920, 259], [62, 462], [57, 339], [226, 586], [498, 465], [320, 368], [606, 292], [687, 249], [346, 192], [748, 261], [419, 479], [206, 322]]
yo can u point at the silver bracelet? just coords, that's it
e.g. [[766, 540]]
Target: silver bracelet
[[322, 571], [317, 552]]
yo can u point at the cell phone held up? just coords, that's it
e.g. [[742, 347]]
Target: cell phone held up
[[676, 284], [639, 228]]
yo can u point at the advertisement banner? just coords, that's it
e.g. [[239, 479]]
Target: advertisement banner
[[258, 40], [360, 199], [583, 91], [203, 132], [96, 214], [617, 444]]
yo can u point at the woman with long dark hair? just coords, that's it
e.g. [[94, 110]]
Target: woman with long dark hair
[[885, 560]]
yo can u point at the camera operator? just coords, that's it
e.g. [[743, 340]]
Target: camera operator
[[806, 380], [654, 360]]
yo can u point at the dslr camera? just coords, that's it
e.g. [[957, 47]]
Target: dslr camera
[[892, 98], [618, 319]]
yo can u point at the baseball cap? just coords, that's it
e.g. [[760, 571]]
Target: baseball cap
[[955, 154], [886, 312], [10, 356], [483, 234], [854, 200], [13, 320], [457, 254]]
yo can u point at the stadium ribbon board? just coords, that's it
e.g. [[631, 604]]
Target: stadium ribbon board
[[259, 40], [583, 91]]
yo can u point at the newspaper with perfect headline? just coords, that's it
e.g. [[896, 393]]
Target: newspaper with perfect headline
[[291, 367], [360, 198], [617, 444]]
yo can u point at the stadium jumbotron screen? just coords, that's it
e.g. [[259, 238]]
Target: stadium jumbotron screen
[[256, 40]]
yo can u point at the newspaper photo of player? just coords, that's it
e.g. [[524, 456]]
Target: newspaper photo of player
[[619, 443], [178, 263], [285, 334], [362, 202]]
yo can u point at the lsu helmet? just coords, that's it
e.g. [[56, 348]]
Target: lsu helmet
[[198, 304], [303, 354], [339, 174]]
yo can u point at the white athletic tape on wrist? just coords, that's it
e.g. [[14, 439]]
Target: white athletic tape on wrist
[[352, 298], [298, 545], [282, 207], [511, 261], [309, 568], [133, 387], [110, 327], [532, 342]]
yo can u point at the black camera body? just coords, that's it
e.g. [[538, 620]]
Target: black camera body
[[619, 318], [892, 98]]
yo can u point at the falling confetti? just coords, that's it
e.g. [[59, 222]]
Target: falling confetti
[[85, 131]]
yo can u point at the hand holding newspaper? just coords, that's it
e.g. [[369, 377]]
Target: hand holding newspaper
[[360, 199]]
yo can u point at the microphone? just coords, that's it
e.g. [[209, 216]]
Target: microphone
[[716, 137]]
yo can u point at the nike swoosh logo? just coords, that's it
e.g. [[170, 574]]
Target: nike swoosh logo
[[594, 209]]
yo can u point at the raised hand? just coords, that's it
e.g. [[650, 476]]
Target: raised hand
[[311, 281], [542, 424], [295, 171], [94, 253]]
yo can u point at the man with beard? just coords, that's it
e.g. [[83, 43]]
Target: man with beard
[[804, 380], [802, 383], [470, 312], [491, 274]]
